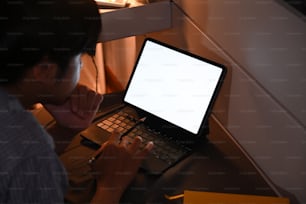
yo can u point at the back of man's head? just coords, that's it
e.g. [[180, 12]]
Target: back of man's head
[[33, 29]]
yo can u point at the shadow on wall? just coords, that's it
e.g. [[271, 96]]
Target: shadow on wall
[[185, 35]]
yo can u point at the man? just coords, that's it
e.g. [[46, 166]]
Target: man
[[40, 47]]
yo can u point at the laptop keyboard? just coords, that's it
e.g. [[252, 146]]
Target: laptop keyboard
[[164, 147]]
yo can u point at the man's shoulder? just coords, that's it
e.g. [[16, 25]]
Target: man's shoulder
[[21, 136]]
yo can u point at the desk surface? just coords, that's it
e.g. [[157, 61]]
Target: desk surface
[[217, 166]]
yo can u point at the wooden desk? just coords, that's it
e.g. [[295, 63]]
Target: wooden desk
[[217, 166]]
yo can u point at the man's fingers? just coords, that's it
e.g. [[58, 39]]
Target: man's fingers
[[90, 99], [74, 101], [146, 150], [115, 137], [125, 141], [135, 144], [93, 99], [98, 99], [82, 99]]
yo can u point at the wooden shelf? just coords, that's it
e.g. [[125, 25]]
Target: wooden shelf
[[135, 20]]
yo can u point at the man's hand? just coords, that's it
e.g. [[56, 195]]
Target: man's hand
[[79, 110], [116, 166]]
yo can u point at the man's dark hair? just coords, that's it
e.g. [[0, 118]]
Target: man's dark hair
[[33, 29]]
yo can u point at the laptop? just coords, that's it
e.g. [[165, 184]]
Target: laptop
[[168, 100]]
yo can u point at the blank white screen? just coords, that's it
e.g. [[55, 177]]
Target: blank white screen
[[173, 86]]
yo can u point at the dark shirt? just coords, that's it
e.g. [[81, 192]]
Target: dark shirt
[[30, 171]]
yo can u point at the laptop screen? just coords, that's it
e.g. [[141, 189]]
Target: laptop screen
[[173, 85]]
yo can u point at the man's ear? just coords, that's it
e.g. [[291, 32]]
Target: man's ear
[[45, 72]]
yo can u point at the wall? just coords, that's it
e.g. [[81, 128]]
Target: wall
[[263, 101]]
